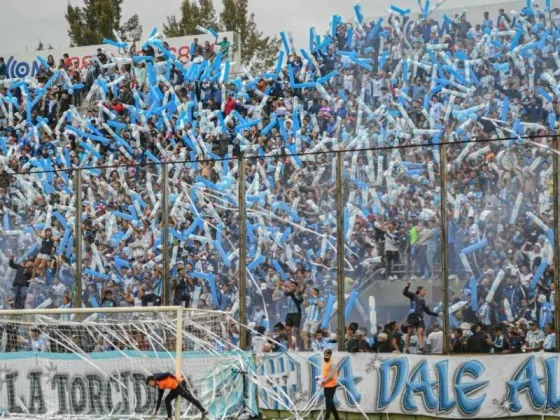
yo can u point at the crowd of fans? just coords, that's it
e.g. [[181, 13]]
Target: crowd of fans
[[398, 91]]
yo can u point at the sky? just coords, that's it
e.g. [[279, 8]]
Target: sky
[[24, 22]]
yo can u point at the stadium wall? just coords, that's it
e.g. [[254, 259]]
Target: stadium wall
[[112, 383], [372, 385]]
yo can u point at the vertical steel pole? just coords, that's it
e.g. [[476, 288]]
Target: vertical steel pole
[[165, 232], [179, 357], [444, 246], [242, 285], [78, 237], [556, 198], [340, 330]]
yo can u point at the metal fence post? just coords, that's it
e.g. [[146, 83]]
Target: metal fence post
[[340, 331], [242, 285], [78, 238], [165, 232], [556, 198], [444, 246]]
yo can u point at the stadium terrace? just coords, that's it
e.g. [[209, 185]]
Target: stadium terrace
[[437, 136]]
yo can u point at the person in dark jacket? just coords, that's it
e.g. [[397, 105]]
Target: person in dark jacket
[[389, 339], [176, 388], [358, 344], [181, 285], [478, 342], [415, 319], [21, 281], [458, 342]]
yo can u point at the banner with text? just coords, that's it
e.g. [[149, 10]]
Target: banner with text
[[451, 387], [26, 64], [114, 383]]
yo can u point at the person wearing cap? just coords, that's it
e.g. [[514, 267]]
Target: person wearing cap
[[329, 379], [415, 319], [21, 281]]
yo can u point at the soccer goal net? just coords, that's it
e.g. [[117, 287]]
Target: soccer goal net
[[93, 363]]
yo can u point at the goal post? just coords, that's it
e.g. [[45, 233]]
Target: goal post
[[93, 362], [179, 358]]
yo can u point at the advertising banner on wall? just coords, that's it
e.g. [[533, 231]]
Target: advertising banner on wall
[[446, 387], [26, 64], [114, 383]]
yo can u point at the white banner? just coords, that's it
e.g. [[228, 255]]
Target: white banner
[[26, 64], [449, 387], [113, 383]]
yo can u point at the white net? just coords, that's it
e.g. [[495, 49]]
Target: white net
[[96, 365]]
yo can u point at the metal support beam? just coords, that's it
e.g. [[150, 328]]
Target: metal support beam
[[444, 246], [556, 209], [341, 329], [165, 232], [78, 238], [242, 285]]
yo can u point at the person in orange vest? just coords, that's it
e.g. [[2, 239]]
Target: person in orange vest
[[329, 381], [176, 388]]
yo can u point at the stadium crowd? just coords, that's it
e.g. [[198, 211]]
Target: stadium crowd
[[387, 93]]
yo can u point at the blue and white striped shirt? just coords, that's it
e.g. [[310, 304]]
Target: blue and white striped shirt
[[158, 289], [313, 312]]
